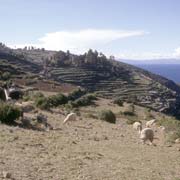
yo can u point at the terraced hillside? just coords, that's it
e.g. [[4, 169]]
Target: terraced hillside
[[16, 65], [125, 84], [96, 73]]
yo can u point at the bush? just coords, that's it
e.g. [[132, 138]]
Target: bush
[[91, 96], [84, 100], [118, 101], [9, 113], [57, 100], [46, 103], [5, 76], [26, 98], [38, 95], [76, 94], [107, 115], [42, 103]]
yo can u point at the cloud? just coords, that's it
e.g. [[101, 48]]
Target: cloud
[[143, 55], [80, 41], [177, 53]]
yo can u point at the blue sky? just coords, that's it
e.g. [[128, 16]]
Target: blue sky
[[134, 29]]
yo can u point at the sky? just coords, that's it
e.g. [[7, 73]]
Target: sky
[[127, 29]]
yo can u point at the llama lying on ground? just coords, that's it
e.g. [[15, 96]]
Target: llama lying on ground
[[147, 134], [70, 117], [151, 123], [137, 126]]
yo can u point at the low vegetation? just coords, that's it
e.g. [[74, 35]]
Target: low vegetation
[[172, 128], [73, 100], [76, 94], [129, 110], [148, 114], [5, 76], [42, 103], [107, 115], [84, 100], [9, 113], [118, 101]]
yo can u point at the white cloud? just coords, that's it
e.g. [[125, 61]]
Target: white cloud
[[177, 53], [82, 40], [143, 55]]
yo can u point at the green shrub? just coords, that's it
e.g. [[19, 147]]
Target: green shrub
[[42, 103], [57, 100], [84, 100], [9, 113], [76, 94], [26, 98], [107, 115], [91, 96], [38, 95], [5, 76], [118, 101]]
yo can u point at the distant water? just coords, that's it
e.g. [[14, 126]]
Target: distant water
[[170, 71]]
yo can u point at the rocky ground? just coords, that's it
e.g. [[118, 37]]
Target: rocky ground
[[87, 149]]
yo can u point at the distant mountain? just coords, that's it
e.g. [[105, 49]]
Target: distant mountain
[[153, 61], [96, 73]]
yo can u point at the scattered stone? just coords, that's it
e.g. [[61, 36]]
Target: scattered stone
[[41, 118], [106, 138], [11, 131], [6, 174], [96, 139], [74, 142]]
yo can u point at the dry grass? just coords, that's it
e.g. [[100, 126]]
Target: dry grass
[[87, 149]]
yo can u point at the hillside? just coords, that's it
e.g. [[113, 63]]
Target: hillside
[[36, 144], [96, 73], [14, 63], [87, 149]]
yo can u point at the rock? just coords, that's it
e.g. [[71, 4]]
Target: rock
[[6, 174], [41, 118], [96, 139], [177, 141]]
